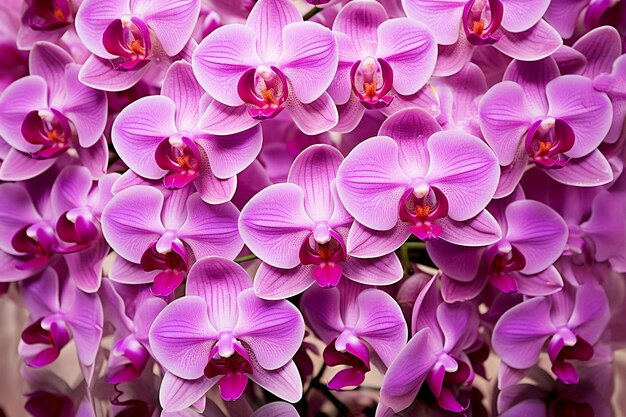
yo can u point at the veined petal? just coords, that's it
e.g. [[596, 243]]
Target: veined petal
[[139, 129], [481, 230], [19, 166], [533, 77], [443, 18], [322, 309], [171, 20], [368, 243], [182, 336], [181, 86], [360, 20], [274, 224], [220, 119], [591, 312], [520, 15], [590, 171], [309, 59], [177, 394], [459, 262], [538, 42], [273, 329], [218, 281], [370, 183], [383, 270], [92, 19], [16, 212], [563, 15], [601, 47], [49, 61], [131, 221], [544, 283], [313, 118], [465, 169], [267, 19], [410, 49], [99, 73], [221, 59], [283, 382]]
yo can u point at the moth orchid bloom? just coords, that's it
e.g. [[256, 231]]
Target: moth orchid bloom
[[435, 354], [378, 59], [358, 324], [78, 203], [533, 238], [564, 15], [60, 312], [167, 233], [129, 38], [45, 20], [158, 137], [48, 112], [571, 321], [221, 334], [131, 352], [272, 63], [299, 230], [554, 122], [513, 27], [416, 179]]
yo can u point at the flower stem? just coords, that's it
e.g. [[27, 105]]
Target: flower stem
[[311, 13], [246, 258]]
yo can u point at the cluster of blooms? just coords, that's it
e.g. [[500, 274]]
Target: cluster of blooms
[[443, 191]]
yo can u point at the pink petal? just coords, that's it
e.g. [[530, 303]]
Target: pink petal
[[315, 117], [220, 119], [131, 221], [534, 77], [41, 293], [370, 183], [451, 58], [95, 158], [71, 189], [520, 15], [214, 190], [360, 21], [219, 282], [99, 73], [601, 47], [49, 61], [276, 409], [535, 43], [481, 230], [521, 332], [459, 324], [138, 130], [126, 272], [453, 290], [591, 171], [177, 394], [16, 212], [591, 312], [368, 243], [229, 155], [563, 15], [211, 230], [182, 336], [573, 99], [322, 309], [465, 169], [442, 18], [276, 284], [309, 59], [267, 19], [18, 166], [274, 330], [410, 49], [276, 215], [221, 59], [181, 86], [384, 270], [283, 382], [172, 21], [544, 283], [86, 266], [92, 19], [459, 262]]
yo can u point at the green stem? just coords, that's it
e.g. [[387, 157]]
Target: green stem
[[311, 13], [415, 245], [245, 258]]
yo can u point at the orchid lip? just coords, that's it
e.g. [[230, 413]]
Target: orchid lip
[[48, 331], [326, 256], [173, 266], [181, 157], [133, 358], [371, 79], [547, 141], [421, 206], [264, 89], [234, 370], [129, 40], [48, 15], [477, 31], [38, 241], [50, 129]]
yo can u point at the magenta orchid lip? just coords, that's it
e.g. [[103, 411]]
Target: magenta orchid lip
[[266, 208]]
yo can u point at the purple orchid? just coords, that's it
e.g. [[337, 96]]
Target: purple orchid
[[60, 312], [41, 120], [534, 237], [158, 137], [379, 58], [435, 353], [416, 179], [45, 20], [513, 27], [355, 323], [299, 230], [272, 63], [555, 122], [166, 231], [130, 38], [221, 333], [564, 15], [571, 321]]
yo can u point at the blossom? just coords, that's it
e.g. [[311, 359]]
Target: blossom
[[45, 20], [299, 229], [221, 333], [272, 63], [158, 137]]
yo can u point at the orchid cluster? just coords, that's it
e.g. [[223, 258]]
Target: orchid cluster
[[311, 208]]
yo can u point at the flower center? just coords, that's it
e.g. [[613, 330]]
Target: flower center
[[38, 242], [501, 260], [264, 89], [351, 353], [547, 141], [233, 368], [326, 250], [181, 157], [127, 360], [47, 15], [421, 206], [129, 39], [50, 129], [481, 18], [48, 331], [371, 79], [173, 265], [78, 226]]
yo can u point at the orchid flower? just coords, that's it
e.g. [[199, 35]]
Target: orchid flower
[[564, 15], [435, 353], [272, 63], [41, 119], [130, 38], [379, 58], [555, 122], [158, 137], [299, 230], [416, 179], [59, 313], [571, 321], [45, 20], [534, 237], [167, 233], [355, 323], [221, 333], [513, 27]]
